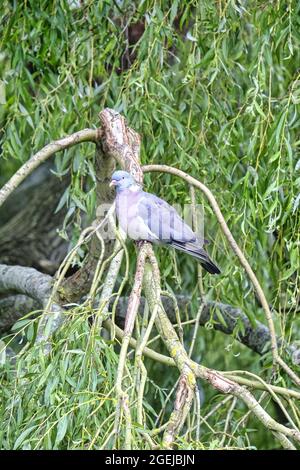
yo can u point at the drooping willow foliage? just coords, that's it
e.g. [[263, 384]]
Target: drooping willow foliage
[[213, 87]]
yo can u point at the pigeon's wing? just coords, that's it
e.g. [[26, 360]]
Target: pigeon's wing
[[163, 224], [162, 220]]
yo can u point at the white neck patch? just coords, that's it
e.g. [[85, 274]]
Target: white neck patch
[[134, 188]]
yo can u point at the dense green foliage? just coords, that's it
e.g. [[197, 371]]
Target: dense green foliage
[[213, 89]]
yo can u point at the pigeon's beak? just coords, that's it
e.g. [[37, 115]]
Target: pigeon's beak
[[112, 183]]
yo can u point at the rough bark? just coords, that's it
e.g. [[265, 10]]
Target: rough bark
[[75, 286], [117, 139]]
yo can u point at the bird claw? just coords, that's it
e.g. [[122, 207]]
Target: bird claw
[[140, 243]]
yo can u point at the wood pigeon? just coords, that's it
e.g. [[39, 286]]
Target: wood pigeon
[[144, 216]]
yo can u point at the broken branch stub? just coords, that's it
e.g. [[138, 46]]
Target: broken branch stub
[[121, 142]]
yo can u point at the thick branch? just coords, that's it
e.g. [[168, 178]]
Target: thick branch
[[20, 279], [256, 338], [118, 143], [38, 286], [121, 142], [26, 281]]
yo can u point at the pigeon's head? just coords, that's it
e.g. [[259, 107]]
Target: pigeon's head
[[122, 180]]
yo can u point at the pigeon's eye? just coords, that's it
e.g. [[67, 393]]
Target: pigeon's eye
[[123, 177]]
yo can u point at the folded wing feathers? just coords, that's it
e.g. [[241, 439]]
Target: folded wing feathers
[[194, 250], [165, 224]]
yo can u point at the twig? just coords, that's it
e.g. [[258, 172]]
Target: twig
[[195, 331], [133, 306], [227, 422], [155, 356], [256, 385], [271, 392], [113, 272], [121, 142]]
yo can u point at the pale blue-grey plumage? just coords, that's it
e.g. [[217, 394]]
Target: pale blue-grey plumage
[[144, 216]]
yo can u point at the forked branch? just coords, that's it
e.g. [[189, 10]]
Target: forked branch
[[259, 291]]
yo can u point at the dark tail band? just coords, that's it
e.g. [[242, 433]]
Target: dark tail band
[[194, 250], [210, 267]]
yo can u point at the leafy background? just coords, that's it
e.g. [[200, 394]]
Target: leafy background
[[213, 89]]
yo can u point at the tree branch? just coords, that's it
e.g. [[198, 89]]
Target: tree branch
[[255, 338], [26, 281], [133, 306], [236, 249], [216, 379], [122, 144], [85, 135]]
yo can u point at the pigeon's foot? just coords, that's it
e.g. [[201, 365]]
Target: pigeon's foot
[[140, 243]]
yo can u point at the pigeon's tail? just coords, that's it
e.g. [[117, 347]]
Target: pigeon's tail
[[193, 249]]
